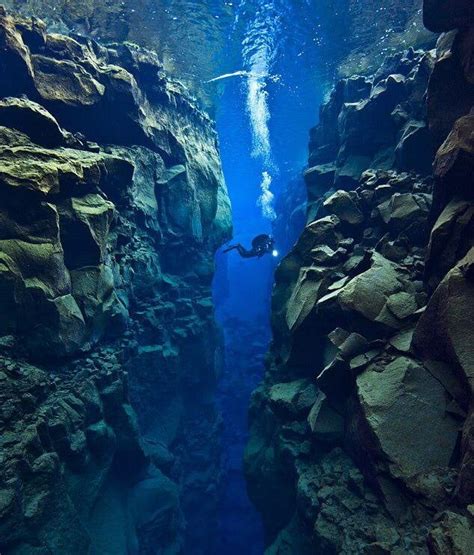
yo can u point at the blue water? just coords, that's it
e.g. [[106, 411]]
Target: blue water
[[263, 121]]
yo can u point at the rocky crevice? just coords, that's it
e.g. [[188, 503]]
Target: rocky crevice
[[361, 432], [113, 204]]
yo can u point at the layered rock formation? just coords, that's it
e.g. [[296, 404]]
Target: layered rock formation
[[361, 434], [113, 203]]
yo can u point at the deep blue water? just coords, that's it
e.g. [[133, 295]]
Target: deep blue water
[[263, 121]]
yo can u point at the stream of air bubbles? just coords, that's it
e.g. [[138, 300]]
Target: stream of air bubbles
[[258, 54]]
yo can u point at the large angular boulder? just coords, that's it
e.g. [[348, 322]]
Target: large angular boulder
[[65, 82], [350, 168], [367, 294], [345, 207], [155, 510], [34, 267], [324, 231], [407, 213], [326, 424], [93, 288], [179, 202], [415, 150], [293, 399], [398, 405], [62, 331], [451, 238], [303, 299], [319, 179], [444, 330]]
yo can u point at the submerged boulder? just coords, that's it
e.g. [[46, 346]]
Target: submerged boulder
[[453, 164], [294, 399], [444, 331], [368, 293], [155, 510], [319, 179], [451, 238], [407, 213], [415, 150], [342, 204], [84, 227], [63, 330], [303, 299], [65, 82], [325, 422], [398, 405]]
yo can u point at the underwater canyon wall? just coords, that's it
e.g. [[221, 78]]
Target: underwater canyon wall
[[361, 434], [112, 206]]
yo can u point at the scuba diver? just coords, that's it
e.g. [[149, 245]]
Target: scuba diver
[[261, 245]]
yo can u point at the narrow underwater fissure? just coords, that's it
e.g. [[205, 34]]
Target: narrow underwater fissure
[[263, 147], [160, 396], [241, 296]]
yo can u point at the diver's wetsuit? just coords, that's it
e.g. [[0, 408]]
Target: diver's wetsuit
[[261, 245]]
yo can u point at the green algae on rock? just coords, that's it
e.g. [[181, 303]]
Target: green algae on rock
[[113, 203]]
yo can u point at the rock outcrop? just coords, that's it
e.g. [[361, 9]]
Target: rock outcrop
[[361, 433], [112, 205], [441, 333]]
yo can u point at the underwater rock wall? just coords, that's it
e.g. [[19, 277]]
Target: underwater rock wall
[[361, 433], [112, 206]]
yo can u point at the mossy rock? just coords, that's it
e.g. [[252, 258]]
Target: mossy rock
[[49, 171], [65, 82]]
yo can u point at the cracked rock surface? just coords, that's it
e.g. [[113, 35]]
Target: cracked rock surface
[[361, 432], [112, 205]]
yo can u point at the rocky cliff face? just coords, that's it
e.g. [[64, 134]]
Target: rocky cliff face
[[112, 205], [361, 435]]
